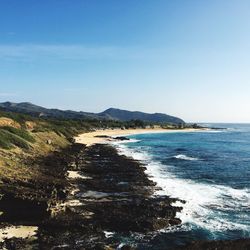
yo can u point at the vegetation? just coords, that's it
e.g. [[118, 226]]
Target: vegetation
[[17, 117], [21, 133], [8, 140], [24, 136], [70, 128]]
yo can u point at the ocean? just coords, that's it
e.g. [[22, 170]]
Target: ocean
[[210, 170]]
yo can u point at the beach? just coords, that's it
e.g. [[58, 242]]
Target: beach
[[108, 135]]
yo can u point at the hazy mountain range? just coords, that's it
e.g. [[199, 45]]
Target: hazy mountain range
[[111, 113]]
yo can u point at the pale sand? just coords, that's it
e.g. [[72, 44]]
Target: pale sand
[[18, 232], [90, 139], [76, 175]]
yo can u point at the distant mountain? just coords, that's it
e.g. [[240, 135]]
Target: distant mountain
[[125, 115], [35, 110], [112, 113]]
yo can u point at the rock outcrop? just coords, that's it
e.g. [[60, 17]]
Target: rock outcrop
[[105, 192]]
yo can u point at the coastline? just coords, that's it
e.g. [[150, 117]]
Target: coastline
[[98, 188], [91, 199], [116, 135], [108, 135]]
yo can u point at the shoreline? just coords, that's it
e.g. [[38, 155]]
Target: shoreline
[[108, 135], [102, 186], [97, 187]]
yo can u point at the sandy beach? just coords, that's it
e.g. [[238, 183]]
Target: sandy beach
[[18, 232], [91, 138]]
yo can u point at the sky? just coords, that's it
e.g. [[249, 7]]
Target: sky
[[188, 58]]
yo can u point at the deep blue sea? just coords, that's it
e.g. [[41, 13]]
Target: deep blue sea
[[210, 170]]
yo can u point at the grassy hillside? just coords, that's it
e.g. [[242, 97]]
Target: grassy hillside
[[20, 130], [23, 136], [10, 137]]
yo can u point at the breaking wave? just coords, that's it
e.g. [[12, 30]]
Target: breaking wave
[[209, 207]]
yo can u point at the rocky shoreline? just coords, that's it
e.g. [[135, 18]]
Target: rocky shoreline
[[85, 198], [108, 193]]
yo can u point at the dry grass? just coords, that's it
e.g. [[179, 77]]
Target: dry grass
[[5, 121], [12, 166]]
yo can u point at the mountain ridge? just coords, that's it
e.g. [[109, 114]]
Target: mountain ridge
[[110, 113]]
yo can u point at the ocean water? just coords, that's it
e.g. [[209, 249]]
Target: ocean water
[[210, 170]]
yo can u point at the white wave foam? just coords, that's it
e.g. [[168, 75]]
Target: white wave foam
[[135, 154], [108, 234], [215, 131], [206, 205], [186, 158]]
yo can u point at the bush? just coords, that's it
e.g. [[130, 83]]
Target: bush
[[7, 140], [4, 143], [21, 133]]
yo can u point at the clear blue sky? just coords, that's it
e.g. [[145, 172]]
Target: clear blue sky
[[187, 58]]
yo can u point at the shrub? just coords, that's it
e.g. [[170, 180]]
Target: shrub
[[7, 140], [21, 133], [4, 143]]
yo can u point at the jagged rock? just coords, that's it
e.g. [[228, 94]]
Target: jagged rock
[[121, 138], [111, 185]]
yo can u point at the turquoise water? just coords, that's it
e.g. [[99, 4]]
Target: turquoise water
[[209, 170]]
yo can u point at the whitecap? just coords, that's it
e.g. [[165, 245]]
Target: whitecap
[[185, 157], [206, 204], [108, 234]]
